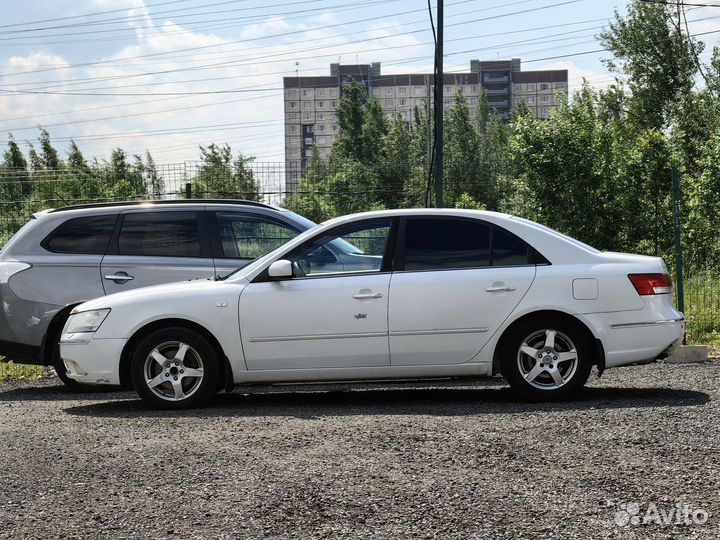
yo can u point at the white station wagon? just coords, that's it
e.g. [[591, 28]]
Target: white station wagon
[[400, 294]]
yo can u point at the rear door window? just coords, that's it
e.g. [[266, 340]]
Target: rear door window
[[160, 234], [442, 244], [82, 236], [508, 250]]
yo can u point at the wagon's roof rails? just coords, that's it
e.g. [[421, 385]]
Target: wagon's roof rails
[[163, 202]]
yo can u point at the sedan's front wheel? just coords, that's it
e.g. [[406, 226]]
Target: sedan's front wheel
[[175, 368], [547, 359]]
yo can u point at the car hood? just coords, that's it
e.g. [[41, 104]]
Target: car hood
[[159, 292]]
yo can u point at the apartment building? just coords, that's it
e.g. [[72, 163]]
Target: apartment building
[[311, 102]]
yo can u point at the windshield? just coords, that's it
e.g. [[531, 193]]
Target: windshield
[[257, 263]]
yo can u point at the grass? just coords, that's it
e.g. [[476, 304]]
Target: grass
[[702, 308], [16, 372]]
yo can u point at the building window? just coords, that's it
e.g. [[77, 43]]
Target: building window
[[418, 91], [307, 104], [321, 128], [517, 87], [321, 140], [309, 129], [306, 93], [403, 102], [473, 101], [403, 91], [474, 89], [294, 152], [531, 100], [292, 116], [546, 99], [447, 102], [448, 89], [333, 103], [388, 102], [333, 92], [321, 93], [544, 87], [293, 129], [376, 91], [559, 86], [321, 104], [308, 152], [308, 116], [388, 91], [531, 87], [292, 94], [334, 127], [293, 104]]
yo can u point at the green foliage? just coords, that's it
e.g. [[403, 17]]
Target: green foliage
[[220, 176]]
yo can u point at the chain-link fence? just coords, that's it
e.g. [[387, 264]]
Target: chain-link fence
[[318, 195]]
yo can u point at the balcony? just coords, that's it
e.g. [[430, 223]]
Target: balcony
[[497, 91], [489, 78]]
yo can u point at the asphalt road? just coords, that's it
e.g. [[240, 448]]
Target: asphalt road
[[437, 460]]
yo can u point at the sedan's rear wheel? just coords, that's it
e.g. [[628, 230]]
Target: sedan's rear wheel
[[175, 368], [547, 359]]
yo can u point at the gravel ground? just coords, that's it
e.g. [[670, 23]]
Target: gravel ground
[[436, 460]]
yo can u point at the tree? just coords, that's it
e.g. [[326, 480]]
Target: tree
[[308, 199], [394, 164], [50, 158], [155, 182], [15, 177], [659, 61], [351, 118], [462, 153], [567, 165], [221, 177]]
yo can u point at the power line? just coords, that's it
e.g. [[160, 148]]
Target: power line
[[37, 21], [284, 34]]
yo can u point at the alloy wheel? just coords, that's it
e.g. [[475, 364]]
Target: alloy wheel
[[173, 371], [547, 359]]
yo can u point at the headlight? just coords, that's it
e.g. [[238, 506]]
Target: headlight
[[80, 327]]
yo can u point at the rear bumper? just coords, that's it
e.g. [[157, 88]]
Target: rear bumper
[[95, 362], [628, 343]]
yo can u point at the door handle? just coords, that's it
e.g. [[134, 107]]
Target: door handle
[[366, 296], [500, 288], [119, 277]]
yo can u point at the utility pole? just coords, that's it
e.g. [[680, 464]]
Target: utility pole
[[439, 101]]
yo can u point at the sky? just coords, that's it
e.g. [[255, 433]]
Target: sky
[[170, 75]]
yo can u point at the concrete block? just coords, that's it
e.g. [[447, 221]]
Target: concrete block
[[689, 353]]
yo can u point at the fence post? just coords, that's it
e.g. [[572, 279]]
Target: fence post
[[678, 245], [188, 190]]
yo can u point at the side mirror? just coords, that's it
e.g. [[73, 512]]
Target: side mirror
[[280, 269]]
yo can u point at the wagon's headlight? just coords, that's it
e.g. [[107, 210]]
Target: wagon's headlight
[[80, 327]]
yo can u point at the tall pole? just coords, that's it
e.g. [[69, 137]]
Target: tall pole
[[678, 245], [439, 95]]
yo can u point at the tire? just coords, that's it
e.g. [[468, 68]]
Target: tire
[[71, 384], [547, 359], [175, 368]]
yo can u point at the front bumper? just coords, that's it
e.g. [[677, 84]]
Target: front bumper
[[95, 362]]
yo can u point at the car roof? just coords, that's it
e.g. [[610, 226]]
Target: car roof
[[169, 202]]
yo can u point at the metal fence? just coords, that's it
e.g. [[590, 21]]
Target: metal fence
[[333, 193]]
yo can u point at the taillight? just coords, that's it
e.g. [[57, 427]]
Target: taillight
[[648, 284]]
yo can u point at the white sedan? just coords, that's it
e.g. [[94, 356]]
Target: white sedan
[[400, 294]]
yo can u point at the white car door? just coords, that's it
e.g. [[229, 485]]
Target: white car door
[[332, 312], [457, 281]]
